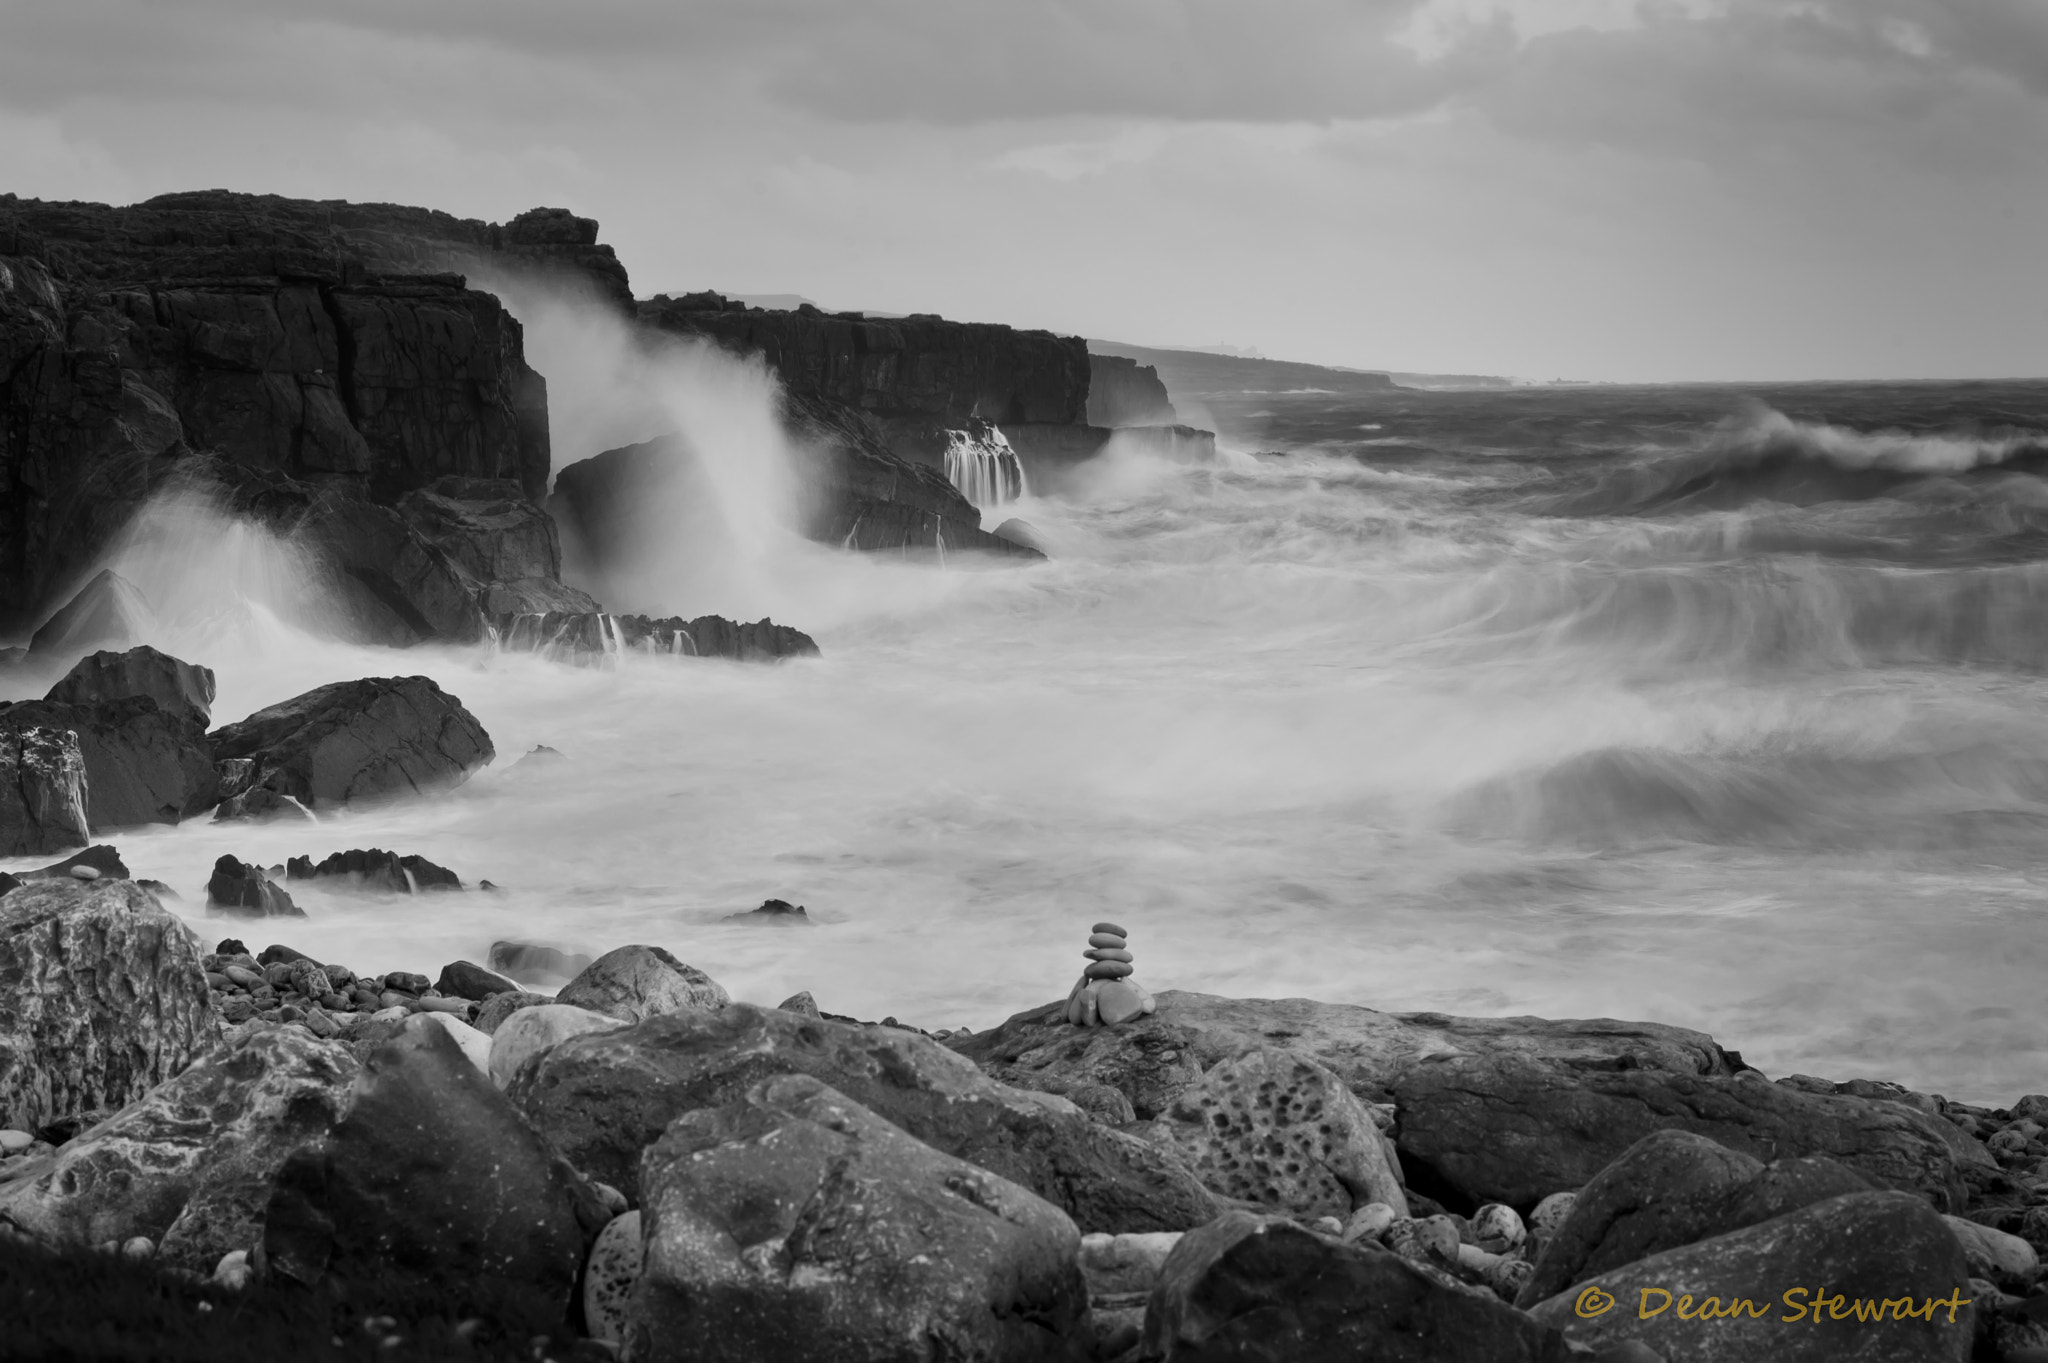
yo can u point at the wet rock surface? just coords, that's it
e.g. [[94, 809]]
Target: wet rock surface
[[42, 791]]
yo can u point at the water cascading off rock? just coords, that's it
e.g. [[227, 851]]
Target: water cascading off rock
[[980, 462]]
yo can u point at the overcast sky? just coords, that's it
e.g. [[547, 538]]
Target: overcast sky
[[1624, 189]]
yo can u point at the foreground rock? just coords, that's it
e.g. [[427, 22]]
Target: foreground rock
[[1495, 1109], [143, 764], [636, 982], [102, 997], [434, 1176], [352, 741], [42, 791], [189, 1163], [1827, 1282], [603, 1098], [1246, 1288], [793, 1223]]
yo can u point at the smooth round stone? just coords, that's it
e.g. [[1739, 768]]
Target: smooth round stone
[[1109, 928], [1497, 1228], [1119, 1001], [138, 1247], [14, 1142], [437, 1004], [1108, 970], [1106, 939], [609, 1276], [232, 1272], [1550, 1213], [1107, 954], [85, 873], [1369, 1222]]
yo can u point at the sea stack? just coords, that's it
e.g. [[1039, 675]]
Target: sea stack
[[1106, 995]]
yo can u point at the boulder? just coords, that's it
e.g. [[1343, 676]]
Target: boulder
[[504, 546], [180, 689], [792, 1222], [353, 741], [468, 980], [1283, 1131], [102, 997], [635, 982], [499, 1008], [434, 1177], [1672, 1188], [1247, 1288], [603, 1098], [476, 1046], [1806, 1287], [42, 791], [189, 1163], [1494, 1109], [143, 764], [374, 868], [532, 962], [527, 1035], [109, 609], [240, 889]]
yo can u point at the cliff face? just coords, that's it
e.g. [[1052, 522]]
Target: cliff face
[[264, 332], [1122, 392]]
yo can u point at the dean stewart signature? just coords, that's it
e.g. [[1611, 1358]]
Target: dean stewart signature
[[1801, 1303]]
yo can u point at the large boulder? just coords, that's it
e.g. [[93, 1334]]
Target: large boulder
[[143, 764], [181, 689], [1494, 1109], [102, 997], [434, 1177], [189, 1163], [42, 791], [505, 546], [1283, 1131], [636, 982], [1825, 1283], [794, 1223], [530, 1033], [603, 1098], [1672, 1188], [348, 742], [1253, 1289]]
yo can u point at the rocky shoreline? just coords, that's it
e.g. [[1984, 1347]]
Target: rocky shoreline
[[637, 1165]]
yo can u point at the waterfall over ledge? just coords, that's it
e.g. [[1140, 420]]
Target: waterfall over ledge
[[980, 462]]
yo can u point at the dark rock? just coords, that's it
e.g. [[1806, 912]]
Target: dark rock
[[1247, 1287], [277, 953], [180, 689], [792, 1222], [231, 946], [502, 545], [1493, 1109], [467, 980], [531, 961], [636, 982], [241, 889], [189, 1163], [602, 1099], [143, 764], [777, 911], [587, 637], [348, 742], [1122, 392], [1672, 1188], [101, 857], [1861, 1247], [7, 882], [375, 869], [263, 804], [102, 997], [107, 610], [434, 1175], [42, 792]]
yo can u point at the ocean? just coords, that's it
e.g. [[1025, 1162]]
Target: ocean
[[1713, 706]]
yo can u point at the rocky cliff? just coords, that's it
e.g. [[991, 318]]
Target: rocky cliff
[[1122, 392], [280, 338]]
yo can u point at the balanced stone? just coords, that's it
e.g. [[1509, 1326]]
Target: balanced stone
[[1108, 954], [1108, 970], [1110, 928], [1119, 1001], [1106, 939]]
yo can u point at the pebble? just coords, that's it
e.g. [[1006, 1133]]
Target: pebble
[[1108, 954], [1106, 939], [216, 980], [14, 1142], [395, 1013], [232, 1272], [138, 1247], [321, 1025], [1108, 970], [1550, 1213], [1425, 1240], [436, 1004], [246, 978], [1110, 928], [85, 873], [1369, 1222], [1327, 1225], [1497, 1228]]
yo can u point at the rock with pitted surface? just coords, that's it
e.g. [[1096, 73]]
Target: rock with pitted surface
[[189, 1163], [636, 982], [1858, 1252], [1672, 1188], [1494, 1109], [1283, 1131], [243, 891], [1253, 1289], [602, 1098], [356, 741], [433, 1175], [102, 997], [791, 1222], [42, 791], [181, 689], [143, 764]]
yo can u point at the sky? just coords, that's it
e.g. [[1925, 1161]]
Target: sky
[[1589, 189]]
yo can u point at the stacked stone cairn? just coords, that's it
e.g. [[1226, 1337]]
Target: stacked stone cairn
[[1106, 995]]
